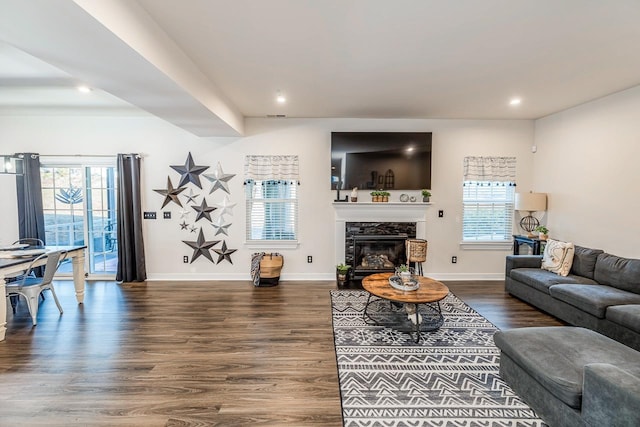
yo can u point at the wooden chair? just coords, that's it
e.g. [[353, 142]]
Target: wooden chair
[[31, 287]]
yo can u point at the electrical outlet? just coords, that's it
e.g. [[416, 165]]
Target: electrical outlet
[[149, 215], [309, 259], [454, 259], [185, 259], [166, 215], [440, 213]]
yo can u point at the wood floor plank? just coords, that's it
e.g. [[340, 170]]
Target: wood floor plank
[[197, 353]]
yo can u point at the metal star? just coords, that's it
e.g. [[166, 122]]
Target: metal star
[[220, 226], [190, 172], [201, 247], [191, 197], [224, 253], [183, 225], [219, 179], [225, 206], [193, 229], [203, 211], [170, 194]]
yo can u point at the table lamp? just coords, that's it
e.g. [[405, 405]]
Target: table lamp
[[530, 202]]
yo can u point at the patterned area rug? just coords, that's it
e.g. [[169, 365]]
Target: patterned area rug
[[449, 378]]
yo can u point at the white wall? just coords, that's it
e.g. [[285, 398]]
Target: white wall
[[587, 162], [163, 144]]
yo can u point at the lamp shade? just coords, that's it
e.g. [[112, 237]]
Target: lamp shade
[[531, 202]]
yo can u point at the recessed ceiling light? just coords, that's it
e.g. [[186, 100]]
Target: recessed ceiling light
[[515, 101], [280, 98], [83, 89]]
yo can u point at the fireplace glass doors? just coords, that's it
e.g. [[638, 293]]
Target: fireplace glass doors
[[377, 254]]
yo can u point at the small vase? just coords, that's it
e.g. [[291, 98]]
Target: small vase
[[385, 198], [425, 199]]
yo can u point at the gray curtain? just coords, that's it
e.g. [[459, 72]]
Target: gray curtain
[[131, 262], [29, 190]]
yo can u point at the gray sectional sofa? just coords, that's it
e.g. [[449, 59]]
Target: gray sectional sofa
[[572, 377], [601, 292]]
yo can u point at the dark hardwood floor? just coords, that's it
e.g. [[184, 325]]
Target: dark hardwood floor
[[194, 353]]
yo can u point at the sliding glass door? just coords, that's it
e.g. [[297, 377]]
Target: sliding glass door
[[79, 202]]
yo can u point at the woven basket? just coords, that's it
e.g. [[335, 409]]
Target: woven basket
[[416, 250], [270, 268]]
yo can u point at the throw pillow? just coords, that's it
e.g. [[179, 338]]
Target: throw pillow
[[558, 257]]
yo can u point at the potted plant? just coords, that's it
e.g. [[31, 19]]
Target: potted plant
[[404, 272], [543, 232], [342, 271], [425, 195], [375, 196], [385, 196]]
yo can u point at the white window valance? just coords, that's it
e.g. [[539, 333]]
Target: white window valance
[[490, 169], [262, 168]]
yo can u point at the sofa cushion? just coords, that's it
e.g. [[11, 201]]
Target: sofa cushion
[[623, 273], [555, 356], [584, 261], [593, 299], [557, 257], [542, 279], [625, 315]]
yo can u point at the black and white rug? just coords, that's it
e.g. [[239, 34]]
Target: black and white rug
[[450, 378]]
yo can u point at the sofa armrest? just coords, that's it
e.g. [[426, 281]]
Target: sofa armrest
[[610, 396], [522, 261]]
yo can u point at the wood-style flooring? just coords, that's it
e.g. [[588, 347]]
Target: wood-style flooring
[[195, 353]]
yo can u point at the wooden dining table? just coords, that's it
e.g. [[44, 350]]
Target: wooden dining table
[[21, 263]]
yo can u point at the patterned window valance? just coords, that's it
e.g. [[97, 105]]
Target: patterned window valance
[[262, 168], [501, 169]]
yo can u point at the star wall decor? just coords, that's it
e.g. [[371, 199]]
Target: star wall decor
[[201, 247], [191, 197], [224, 253], [170, 194], [190, 172], [183, 225], [193, 229], [225, 207], [219, 179], [184, 213], [203, 210], [220, 226]]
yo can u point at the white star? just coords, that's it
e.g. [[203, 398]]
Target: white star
[[225, 207], [219, 179], [220, 226], [185, 213]]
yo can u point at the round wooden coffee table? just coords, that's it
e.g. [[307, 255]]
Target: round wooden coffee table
[[412, 311]]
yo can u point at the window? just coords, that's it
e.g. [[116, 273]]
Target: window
[[272, 198], [272, 207], [487, 211], [488, 199]]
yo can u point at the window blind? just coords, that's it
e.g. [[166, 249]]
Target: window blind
[[487, 210], [272, 207]]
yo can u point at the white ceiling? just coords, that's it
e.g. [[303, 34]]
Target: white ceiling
[[204, 65]]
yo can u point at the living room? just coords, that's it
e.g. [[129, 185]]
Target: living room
[[581, 154]]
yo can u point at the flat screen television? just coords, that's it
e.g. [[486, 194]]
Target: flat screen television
[[381, 160]]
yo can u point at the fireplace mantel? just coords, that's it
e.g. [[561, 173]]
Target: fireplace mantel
[[377, 212]]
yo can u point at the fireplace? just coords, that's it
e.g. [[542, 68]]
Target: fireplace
[[376, 247], [377, 254]]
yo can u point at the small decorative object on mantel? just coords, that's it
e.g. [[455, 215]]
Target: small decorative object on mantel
[[380, 196], [404, 197], [354, 194], [543, 232], [425, 195]]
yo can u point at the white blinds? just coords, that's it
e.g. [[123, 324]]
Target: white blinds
[[488, 198], [272, 208], [272, 197]]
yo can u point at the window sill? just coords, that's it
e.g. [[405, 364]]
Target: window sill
[[271, 244], [487, 246]]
